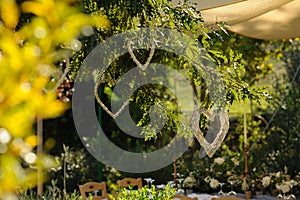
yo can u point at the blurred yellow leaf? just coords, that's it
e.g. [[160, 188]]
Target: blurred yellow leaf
[[33, 7], [18, 121], [44, 8], [32, 140], [9, 13], [100, 21], [11, 51], [27, 64], [10, 173], [30, 180]]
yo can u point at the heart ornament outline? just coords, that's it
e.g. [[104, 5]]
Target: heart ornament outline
[[137, 62], [210, 148], [104, 107], [113, 82]]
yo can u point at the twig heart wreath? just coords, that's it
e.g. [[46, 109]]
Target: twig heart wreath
[[113, 115], [137, 62], [113, 82], [220, 116], [219, 124]]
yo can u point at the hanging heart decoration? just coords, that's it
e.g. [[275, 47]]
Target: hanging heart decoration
[[113, 82], [137, 62], [215, 117]]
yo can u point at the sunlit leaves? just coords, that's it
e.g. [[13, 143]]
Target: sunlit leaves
[[28, 53], [9, 13]]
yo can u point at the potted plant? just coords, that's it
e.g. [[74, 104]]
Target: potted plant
[[246, 188]]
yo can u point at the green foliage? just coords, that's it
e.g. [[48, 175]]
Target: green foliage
[[256, 53], [237, 58], [242, 61], [126, 15], [145, 193], [280, 144], [273, 132], [55, 30], [76, 166], [52, 192], [224, 52]]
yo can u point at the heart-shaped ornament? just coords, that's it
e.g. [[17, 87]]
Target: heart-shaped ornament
[[217, 118], [139, 65], [113, 82], [137, 62]]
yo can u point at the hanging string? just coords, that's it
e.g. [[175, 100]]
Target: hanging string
[[276, 111]]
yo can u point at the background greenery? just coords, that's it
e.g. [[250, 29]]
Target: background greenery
[[259, 75]]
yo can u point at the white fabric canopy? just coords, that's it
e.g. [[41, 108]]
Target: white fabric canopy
[[263, 19]]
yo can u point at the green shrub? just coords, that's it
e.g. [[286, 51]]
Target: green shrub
[[146, 193]]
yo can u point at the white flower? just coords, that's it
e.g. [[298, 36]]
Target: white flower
[[219, 161], [277, 175], [285, 188], [5, 136], [235, 161], [228, 173], [266, 181], [214, 183], [245, 185], [189, 182], [207, 179], [293, 182]]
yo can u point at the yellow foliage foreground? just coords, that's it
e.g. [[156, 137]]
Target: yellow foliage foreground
[[27, 56]]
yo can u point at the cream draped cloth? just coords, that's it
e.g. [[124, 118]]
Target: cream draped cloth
[[262, 19]]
